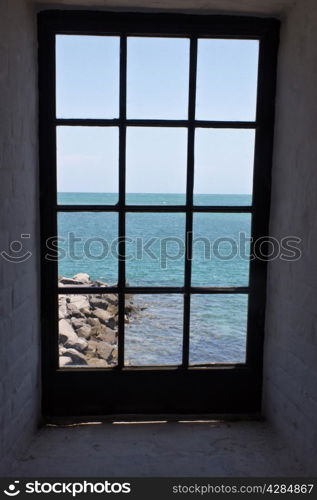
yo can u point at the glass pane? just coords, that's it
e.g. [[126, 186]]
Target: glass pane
[[155, 249], [87, 165], [221, 249], [156, 166], [157, 78], [88, 330], [227, 79], [154, 336], [87, 76], [218, 329], [87, 244], [223, 166]]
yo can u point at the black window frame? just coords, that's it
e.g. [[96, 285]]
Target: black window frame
[[185, 389]]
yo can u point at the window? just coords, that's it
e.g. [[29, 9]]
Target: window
[[156, 143]]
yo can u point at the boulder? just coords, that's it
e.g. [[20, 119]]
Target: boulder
[[113, 309], [73, 311], [79, 344], [93, 321], [77, 357], [82, 277], [80, 301], [69, 338], [112, 298], [104, 333], [78, 323], [92, 348], [64, 361], [103, 316], [114, 355], [86, 311], [98, 302], [97, 363], [104, 350], [84, 332], [66, 331], [68, 281], [62, 309], [113, 322]]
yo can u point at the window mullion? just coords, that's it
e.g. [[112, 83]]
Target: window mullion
[[122, 176], [189, 196]]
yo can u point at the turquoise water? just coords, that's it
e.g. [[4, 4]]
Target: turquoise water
[[155, 257]]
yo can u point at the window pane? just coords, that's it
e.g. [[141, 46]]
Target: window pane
[[227, 80], [155, 249], [87, 165], [223, 166], [88, 330], [221, 249], [157, 78], [87, 76], [154, 336], [87, 244], [156, 166], [218, 328]]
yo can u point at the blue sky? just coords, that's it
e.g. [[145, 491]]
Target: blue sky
[[157, 87]]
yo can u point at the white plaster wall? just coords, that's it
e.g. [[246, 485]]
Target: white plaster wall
[[19, 297], [290, 367]]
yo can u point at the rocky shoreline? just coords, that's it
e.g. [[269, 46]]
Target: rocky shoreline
[[88, 324]]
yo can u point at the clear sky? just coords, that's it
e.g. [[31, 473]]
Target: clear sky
[[87, 86]]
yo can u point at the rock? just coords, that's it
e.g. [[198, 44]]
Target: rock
[[78, 323], [99, 283], [77, 357], [98, 302], [69, 338], [92, 350], [93, 321], [73, 311], [103, 316], [66, 331], [64, 361], [113, 309], [113, 322], [97, 363], [104, 350], [80, 301], [62, 309], [88, 323], [114, 355], [86, 311], [82, 277], [69, 281], [112, 298], [104, 333], [84, 332], [80, 344]]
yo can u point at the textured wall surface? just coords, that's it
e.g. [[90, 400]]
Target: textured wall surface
[[19, 298], [290, 388], [260, 7]]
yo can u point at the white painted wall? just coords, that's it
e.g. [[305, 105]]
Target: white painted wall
[[19, 297], [290, 366]]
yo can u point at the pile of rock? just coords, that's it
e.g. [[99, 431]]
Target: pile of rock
[[88, 324]]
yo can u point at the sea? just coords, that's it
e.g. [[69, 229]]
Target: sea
[[155, 256]]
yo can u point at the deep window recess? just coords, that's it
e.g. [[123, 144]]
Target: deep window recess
[[154, 127]]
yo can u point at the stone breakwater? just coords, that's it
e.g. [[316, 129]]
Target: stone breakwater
[[88, 324]]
